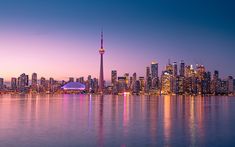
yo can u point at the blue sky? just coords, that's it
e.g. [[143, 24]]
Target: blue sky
[[67, 32]]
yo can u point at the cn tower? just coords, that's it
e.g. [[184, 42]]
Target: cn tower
[[101, 80]]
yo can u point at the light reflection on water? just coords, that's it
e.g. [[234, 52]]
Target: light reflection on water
[[89, 120]]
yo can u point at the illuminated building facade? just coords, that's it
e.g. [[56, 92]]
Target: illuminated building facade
[[1, 83], [134, 78], [182, 68], [175, 69], [148, 80], [142, 84], [14, 84], [166, 83], [154, 75], [113, 77], [34, 82], [230, 85], [122, 86], [23, 82]]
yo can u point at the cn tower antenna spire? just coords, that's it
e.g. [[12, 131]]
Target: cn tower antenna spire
[[102, 38]]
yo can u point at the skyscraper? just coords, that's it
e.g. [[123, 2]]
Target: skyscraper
[[134, 78], [230, 84], [13, 83], [148, 80], [101, 80], [34, 82], [126, 75], [113, 77], [175, 72], [166, 82], [122, 86], [51, 84], [154, 70], [23, 81], [142, 84], [71, 79], [215, 83], [154, 74], [182, 65], [34, 79], [1, 83]]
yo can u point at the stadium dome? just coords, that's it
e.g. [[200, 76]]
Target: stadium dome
[[73, 86]]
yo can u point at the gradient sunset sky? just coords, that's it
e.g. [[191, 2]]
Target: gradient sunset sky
[[61, 38]]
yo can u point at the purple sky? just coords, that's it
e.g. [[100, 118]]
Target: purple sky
[[61, 39]]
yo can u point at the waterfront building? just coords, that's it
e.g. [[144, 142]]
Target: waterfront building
[[188, 84], [126, 75], [223, 87], [200, 73], [137, 87], [182, 68], [122, 86], [206, 83], [215, 84], [134, 78], [51, 81], [95, 85], [23, 81], [169, 68], [200, 69], [194, 85], [154, 75], [166, 83], [181, 88], [73, 86], [234, 85], [34, 79], [230, 84], [81, 80], [52, 86], [175, 69], [1, 83], [34, 82], [113, 77], [71, 79], [142, 84], [88, 84], [13, 84], [130, 83], [175, 85], [154, 70], [43, 85], [187, 71], [148, 81]]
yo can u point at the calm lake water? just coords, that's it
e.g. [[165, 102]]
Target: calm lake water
[[89, 120]]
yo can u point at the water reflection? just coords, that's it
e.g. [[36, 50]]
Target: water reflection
[[126, 115], [101, 128], [89, 120]]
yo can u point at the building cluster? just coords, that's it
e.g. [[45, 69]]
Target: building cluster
[[184, 80], [23, 84], [175, 79], [33, 84]]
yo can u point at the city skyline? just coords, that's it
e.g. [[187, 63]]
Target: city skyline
[[174, 80], [62, 40], [118, 74]]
